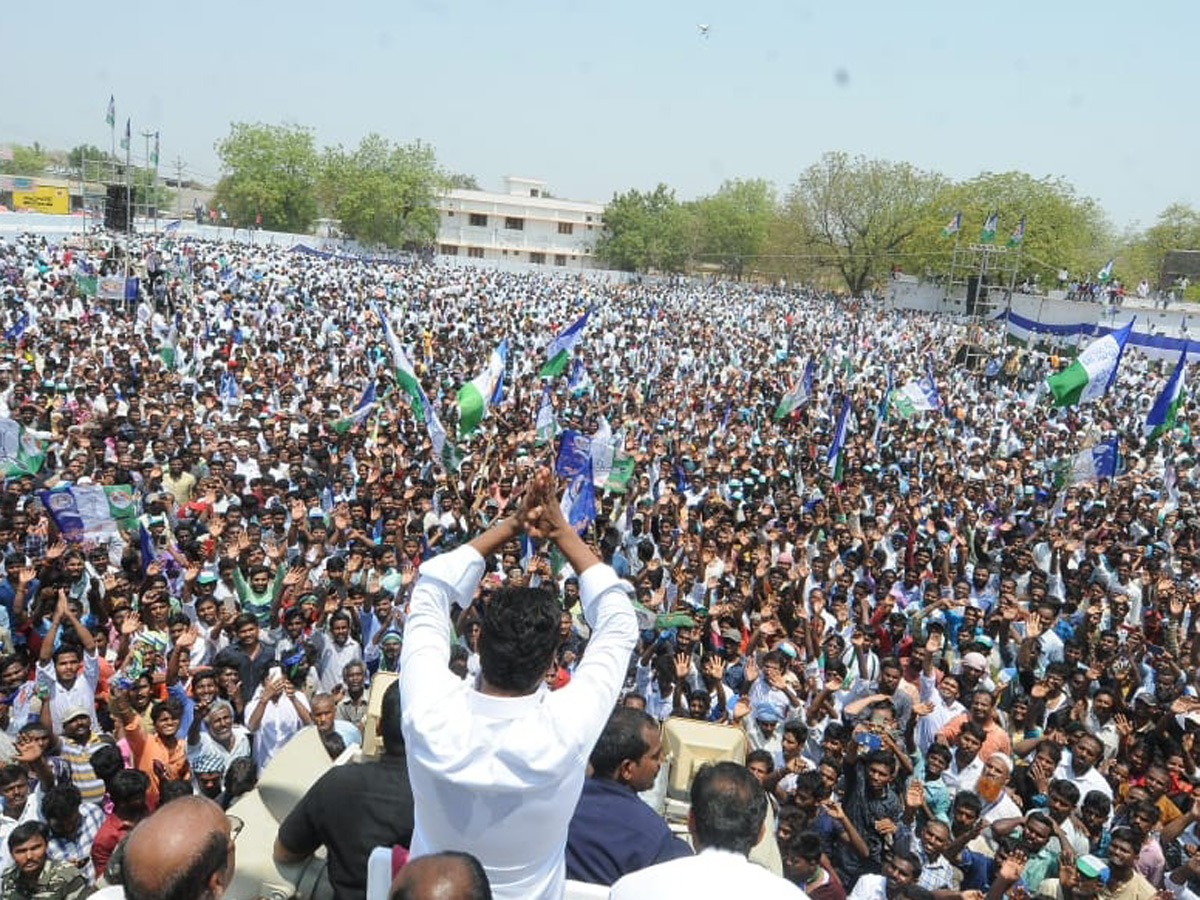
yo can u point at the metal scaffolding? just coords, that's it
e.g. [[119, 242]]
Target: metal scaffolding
[[982, 279]]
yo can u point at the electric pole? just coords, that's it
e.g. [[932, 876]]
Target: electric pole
[[179, 188]]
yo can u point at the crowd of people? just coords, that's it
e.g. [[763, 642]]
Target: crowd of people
[[958, 673]]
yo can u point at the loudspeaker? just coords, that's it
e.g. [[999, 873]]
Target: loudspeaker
[[116, 209], [972, 294]]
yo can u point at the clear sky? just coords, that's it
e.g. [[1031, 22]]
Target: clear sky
[[601, 96]]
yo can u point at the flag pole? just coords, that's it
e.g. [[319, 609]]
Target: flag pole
[[128, 202]]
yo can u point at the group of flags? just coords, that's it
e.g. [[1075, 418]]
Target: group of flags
[[987, 234], [110, 118]]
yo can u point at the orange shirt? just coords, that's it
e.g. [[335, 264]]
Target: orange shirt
[[148, 749], [995, 739]]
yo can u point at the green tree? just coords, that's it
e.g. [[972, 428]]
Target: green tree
[[77, 155], [1063, 230], [384, 193], [462, 181], [269, 170], [29, 160], [854, 214], [734, 223], [1142, 253], [644, 231]]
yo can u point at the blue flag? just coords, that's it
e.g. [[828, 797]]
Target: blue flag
[[839, 434], [146, 546], [18, 328], [574, 454], [579, 499]]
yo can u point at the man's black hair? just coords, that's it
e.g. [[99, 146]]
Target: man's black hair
[[518, 638], [804, 844], [623, 738], [728, 807], [389, 720], [60, 801], [127, 787], [25, 831]]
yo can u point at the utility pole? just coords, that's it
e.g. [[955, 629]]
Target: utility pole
[[147, 187], [179, 188]]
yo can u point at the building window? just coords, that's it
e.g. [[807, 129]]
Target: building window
[[475, 252], [450, 213], [514, 223], [588, 218], [566, 228], [560, 259], [533, 192], [449, 250], [539, 258], [478, 219]]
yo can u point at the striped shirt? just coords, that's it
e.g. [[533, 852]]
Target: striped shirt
[[83, 776]]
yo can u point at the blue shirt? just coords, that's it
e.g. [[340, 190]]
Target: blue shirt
[[614, 832]]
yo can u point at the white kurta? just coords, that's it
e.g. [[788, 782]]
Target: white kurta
[[500, 776]]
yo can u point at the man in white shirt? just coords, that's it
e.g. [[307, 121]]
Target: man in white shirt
[[727, 818], [900, 870], [497, 767], [1079, 767], [70, 671]]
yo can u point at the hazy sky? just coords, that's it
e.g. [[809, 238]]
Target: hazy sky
[[597, 97]]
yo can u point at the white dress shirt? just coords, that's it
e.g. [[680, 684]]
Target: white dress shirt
[[499, 777], [711, 873]]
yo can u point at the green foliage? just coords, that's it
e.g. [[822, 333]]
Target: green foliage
[[269, 170], [734, 223], [462, 181], [1141, 254], [384, 193], [1062, 229], [27, 160], [151, 192], [77, 156], [645, 231], [854, 215]]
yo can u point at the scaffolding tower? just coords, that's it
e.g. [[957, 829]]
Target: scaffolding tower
[[980, 288], [141, 184]]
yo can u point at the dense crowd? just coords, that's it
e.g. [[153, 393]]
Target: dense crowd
[[955, 671]]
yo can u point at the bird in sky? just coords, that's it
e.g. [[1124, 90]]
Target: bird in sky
[[703, 30]]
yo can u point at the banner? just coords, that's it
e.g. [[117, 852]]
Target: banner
[[43, 199], [91, 510], [1022, 331]]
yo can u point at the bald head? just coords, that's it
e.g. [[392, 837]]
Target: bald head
[[442, 876], [181, 852]]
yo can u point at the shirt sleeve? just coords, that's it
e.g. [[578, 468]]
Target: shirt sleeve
[[300, 832], [425, 677], [589, 698], [91, 668]]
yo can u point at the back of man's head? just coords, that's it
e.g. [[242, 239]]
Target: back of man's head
[[390, 731], [180, 852], [728, 808], [518, 638], [442, 876], [624, 737]]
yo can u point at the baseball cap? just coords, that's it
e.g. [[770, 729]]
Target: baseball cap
[[74, 712], [974, 661], [1090, 866], [765, 712]]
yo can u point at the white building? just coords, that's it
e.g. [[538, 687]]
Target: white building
[[522, 224]]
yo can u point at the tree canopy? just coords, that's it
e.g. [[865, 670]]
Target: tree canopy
[[270, 170], [384, 193]]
